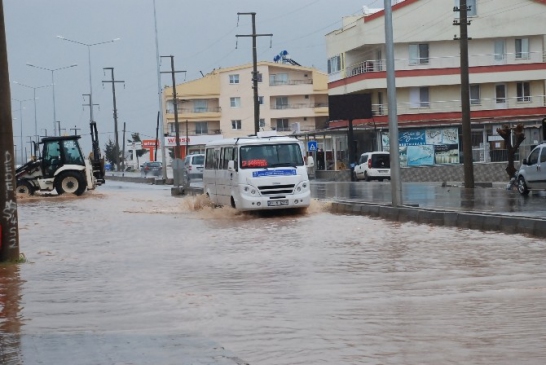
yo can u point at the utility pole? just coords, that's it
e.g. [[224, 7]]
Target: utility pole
[[9, 229], [123, 153], [89, 104], [75, 129], [113, 82], [394, 147], [177, 163], [465, 96], [255, 68], [175, 102]]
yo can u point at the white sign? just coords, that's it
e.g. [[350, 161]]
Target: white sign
[[192, 140]]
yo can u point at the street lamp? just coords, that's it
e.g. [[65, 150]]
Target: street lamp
[[21, 122], [35, 114], [52, 83], [89, 45]]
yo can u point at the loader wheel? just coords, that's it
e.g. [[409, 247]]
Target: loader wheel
[[70, 182], [25, 188]]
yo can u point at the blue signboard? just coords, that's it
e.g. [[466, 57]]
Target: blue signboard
[[283, 172], [312, 146]]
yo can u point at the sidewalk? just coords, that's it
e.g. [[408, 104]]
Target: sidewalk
[[488, 209]]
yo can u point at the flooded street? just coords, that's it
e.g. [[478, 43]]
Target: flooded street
[[311, 288]]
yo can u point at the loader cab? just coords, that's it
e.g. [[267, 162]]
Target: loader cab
[[60, 151]]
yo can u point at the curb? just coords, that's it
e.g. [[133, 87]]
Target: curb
[[466, 220]]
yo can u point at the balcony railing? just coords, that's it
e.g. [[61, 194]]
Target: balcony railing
[[290, 82], [218, 109], [455, 105], [299, 106], [476, 60]]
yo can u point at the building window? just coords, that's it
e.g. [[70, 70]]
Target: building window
[[418, 54], [282, 125], [200, 106], [262, 122], [499, 50], [334, 64], [172, 127], [522, 48], [419, 97], [201, 128], [234, 79], [524, 91], [235, 102], [500, 94], [260, 77], [236, 124], [471, 8], [475, 95], [281, 102], [260, 100], [278, 79]]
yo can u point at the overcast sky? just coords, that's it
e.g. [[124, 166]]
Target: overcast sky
[[201, 34]]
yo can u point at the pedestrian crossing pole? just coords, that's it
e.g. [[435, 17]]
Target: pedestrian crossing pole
[[9, 230]]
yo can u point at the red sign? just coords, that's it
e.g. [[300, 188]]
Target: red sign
[[147, 143]]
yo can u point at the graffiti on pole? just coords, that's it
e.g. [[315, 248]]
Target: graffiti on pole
[[9, 212]]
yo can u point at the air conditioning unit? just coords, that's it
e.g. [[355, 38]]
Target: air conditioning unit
[[295, 127]]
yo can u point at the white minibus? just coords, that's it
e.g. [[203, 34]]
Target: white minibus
[[257, 173]]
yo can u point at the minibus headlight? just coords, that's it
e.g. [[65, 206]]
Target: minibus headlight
[[250, 190], [302, 187]]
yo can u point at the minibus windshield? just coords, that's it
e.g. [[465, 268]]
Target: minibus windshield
[[271, 155]]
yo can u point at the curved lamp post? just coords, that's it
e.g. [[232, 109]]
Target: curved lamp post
[[53, 84], [89, 45], [35, 114]]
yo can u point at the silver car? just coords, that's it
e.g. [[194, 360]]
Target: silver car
[[532, 172], [193, 166]]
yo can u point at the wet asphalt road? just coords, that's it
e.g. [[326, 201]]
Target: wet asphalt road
[[130, 275]]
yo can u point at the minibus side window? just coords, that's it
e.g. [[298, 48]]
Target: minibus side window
[[209, 159]]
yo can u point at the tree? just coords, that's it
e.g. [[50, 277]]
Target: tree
[[110, 152], [506, 133]]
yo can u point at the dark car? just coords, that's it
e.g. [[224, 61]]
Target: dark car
[[153, 168]]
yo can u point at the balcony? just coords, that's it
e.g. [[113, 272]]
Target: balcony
[[449, 106], [445, 62], [300, 106], [291, 82], [196, 113]]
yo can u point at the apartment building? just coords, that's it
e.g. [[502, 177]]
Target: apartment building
[[507, 67], [221, 104]]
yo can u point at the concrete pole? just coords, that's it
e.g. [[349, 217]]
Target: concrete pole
[[468, 163], [396, 184], [9, 229], [160, 102]]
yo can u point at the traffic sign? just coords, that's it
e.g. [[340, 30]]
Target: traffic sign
[[312, 146]]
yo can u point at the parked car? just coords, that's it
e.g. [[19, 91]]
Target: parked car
[[373, 166], [153, 168], [532, 172], [193, 166]]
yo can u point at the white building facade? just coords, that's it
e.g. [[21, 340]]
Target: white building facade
[[507, 68]]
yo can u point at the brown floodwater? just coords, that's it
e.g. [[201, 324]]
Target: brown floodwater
[[305, 288]]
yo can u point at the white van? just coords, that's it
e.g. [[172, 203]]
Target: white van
[[531, 175], [373, 166], [256, 173]]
